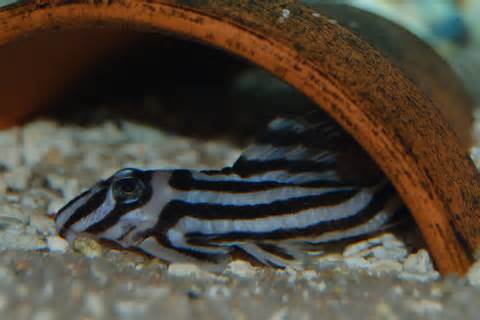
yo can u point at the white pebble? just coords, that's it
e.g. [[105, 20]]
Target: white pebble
[[140, 133], [419, 262], [390, 242], [436, 291], [3, 186], [97, 135], [362, 248], [385, 253], [382, 267], [329, 261], [183, 270], [95, 305], [357, 262], [320, 286], [292, 275], [6, 275], [57, 244], [424, 307], [419, 277], [284, 16], [100, 271], [3, 302], [12, 213], [398, 290], [309, 275], [218, 292], [280, 314], [88, 247], [42, 136], [10, 140], [17, 178], [354, 248], [384, 311], [21, 237], [130, 309], [187, 158], [475, 154], [473, 274], [241, 269], [154, 293], [42, 224], [69, 187], [44, 314]]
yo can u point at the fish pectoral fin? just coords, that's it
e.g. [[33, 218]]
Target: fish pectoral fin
[[269, 254], [204, 240], [263, 253]]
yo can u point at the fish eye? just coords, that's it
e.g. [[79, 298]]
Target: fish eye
[[127, 190]]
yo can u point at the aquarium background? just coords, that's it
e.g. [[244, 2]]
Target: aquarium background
[[452, 27]]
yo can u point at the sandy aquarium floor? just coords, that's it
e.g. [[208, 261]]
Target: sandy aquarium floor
[[44, 164]]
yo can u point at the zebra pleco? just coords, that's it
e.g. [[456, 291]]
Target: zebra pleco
[[303, 182]]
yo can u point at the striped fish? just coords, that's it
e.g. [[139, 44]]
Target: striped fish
[[303, 182]]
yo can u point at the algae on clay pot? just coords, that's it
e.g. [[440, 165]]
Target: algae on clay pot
[[4, 3]]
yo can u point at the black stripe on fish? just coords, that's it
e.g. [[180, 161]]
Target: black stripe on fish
[[73, 201], [398, 218], [263, 257], [237, 252], [125, 233], [249, 167], [320, 138], [275, 250], [83, 211], [312, 130], [376, 204], [184, 180], [189, 252], [177, 209]]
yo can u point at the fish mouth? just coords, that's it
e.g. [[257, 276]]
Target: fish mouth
[[69, 235], [62, 211], [69, 209]]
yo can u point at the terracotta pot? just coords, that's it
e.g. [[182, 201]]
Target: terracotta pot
[[404, 106]]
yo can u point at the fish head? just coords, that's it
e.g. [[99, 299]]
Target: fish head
[[117, 209]]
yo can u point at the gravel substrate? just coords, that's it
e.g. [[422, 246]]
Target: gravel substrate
[[44, 164]]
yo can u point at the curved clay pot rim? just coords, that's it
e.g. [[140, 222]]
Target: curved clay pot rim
[[400, 128]]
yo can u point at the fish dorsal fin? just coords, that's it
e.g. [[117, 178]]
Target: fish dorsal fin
[[312, 144]]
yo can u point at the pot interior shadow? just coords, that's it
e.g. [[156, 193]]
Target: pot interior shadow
[[182, 87]]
